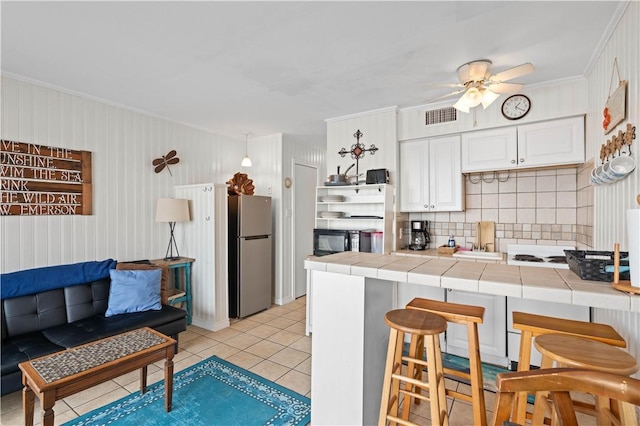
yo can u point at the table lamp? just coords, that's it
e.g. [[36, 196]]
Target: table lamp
[[172, 210]]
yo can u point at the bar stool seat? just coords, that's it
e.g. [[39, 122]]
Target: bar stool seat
[[469, 316], [532, 325], [413, 322], [577, 352]]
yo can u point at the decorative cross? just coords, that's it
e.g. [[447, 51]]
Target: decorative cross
[[358, 150]]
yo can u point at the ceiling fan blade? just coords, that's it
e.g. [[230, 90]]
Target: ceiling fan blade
[[512, 73], [474, 71], [157, 161], [445, 96], [502, 88], [159, 168], [173, 160], [445, 85], [171, 153]]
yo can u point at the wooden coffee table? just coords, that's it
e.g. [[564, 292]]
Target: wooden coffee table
[[56, 376]]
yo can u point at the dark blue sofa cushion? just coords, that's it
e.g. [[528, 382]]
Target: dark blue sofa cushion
[[32, 281]]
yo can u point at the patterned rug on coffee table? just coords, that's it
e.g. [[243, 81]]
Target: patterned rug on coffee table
[[212, 392]]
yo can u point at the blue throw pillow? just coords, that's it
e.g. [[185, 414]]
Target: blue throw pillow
[[134, 291]]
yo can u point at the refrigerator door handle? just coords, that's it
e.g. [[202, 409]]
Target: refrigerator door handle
[[257, 237]]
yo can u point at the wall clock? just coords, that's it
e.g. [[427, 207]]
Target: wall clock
[[516, 107]]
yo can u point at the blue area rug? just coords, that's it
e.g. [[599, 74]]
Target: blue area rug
[[212, 392]]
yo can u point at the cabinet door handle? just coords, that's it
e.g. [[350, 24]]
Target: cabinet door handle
[[431, 206], [426, 206], [208, 218], [522, 160], [513, 161]]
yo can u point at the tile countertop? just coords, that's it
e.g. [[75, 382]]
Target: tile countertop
[[482, 276]]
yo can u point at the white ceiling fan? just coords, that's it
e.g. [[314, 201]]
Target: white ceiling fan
[[479, 86]]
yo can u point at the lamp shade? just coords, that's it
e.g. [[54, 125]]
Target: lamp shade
[[172, 210]]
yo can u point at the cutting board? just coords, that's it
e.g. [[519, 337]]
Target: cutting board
[[487, 233]]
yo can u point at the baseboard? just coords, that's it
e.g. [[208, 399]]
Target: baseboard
[[209, 325]]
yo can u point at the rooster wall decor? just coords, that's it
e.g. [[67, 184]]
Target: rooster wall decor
[[165, 160]]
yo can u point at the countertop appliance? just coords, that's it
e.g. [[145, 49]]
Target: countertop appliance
[[329, 241], [419, 235], [542, 256], [250, 254]]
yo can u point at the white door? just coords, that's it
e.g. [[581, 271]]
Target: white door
[[305, 179], [446, 182], [414, 176]]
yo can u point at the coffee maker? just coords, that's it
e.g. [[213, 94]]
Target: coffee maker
[[419, 235]]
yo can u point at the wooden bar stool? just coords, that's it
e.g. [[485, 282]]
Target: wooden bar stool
[[577, 352], [532, 325], [420, 323], [467, 315]]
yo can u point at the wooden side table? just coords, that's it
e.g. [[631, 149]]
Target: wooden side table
[[180, 294]]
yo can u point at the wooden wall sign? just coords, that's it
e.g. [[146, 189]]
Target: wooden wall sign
[[615, 108], [43, 180]]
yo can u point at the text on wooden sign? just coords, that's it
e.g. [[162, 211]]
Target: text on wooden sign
[[43, 180]]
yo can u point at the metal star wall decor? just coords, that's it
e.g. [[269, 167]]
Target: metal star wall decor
[[358, 150]]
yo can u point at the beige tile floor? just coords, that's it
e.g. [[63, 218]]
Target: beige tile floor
[[271, 344]]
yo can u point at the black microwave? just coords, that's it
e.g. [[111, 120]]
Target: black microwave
[[329, 241]]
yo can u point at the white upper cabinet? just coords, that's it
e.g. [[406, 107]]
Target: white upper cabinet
[[430, 176], [548, 143], [493, 149], [551, 142]]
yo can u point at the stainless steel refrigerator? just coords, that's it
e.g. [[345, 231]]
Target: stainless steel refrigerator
[[250, 255]]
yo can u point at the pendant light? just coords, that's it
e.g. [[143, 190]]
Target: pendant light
[[246, 161]]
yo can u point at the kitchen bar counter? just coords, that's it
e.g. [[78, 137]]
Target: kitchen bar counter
[[482, 276], [349, 293]]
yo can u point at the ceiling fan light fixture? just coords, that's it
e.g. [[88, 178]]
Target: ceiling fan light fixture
[[472, 97], [488, 97], [461, 105]]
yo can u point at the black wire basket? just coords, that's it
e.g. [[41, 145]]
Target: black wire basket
[[590, 265]]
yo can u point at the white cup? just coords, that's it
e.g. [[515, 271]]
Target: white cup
[[595, 179], [621, 166]]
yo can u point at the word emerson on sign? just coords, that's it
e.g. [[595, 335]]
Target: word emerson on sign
[[43, 180]]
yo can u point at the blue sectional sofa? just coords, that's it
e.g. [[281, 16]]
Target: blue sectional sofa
[[45, 310]]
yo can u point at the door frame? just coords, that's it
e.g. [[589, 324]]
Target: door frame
[[315, 166]]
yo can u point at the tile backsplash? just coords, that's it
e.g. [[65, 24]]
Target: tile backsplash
[[551, 207]]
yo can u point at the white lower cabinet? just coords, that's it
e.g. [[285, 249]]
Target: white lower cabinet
[[492, 333], [430, 176], [538, 307]]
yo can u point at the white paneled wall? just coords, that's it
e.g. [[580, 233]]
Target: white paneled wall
[[561, 99], [378, 128], [205, 238], [125, 187], [612, 201]]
